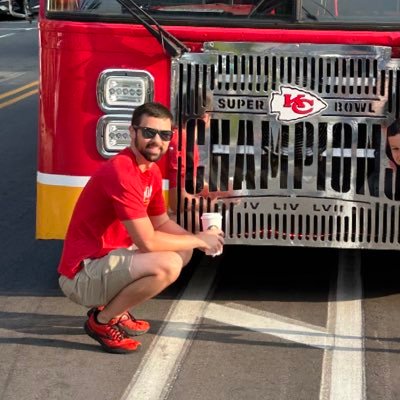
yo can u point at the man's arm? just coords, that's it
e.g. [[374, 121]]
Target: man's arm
[[164, 223], [166, 235]]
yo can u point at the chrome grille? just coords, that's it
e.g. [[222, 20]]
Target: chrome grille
[[322, 180]]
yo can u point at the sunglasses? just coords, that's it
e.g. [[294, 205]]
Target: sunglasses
[[150, 133]]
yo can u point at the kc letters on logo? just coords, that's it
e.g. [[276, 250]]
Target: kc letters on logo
[[292, 104]]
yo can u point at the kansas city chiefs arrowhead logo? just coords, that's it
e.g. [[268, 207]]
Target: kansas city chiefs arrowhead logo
[[292, 104]]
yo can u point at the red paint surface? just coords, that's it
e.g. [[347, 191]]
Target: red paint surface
[[74, 53]]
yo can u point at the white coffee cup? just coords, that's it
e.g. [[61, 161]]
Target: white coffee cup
[[210, 221]]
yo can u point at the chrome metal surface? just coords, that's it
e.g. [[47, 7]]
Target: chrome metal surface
[[148, 84], [289, 142], [109, 143]]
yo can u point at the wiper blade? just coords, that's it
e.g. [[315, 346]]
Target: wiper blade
[[173, 46], [206, 9], [309, 15]]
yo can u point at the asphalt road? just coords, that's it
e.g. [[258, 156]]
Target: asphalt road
[[316, 324]]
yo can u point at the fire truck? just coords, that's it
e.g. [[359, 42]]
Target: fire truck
[[283, 111]]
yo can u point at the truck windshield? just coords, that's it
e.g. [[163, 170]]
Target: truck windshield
[[257, 13]]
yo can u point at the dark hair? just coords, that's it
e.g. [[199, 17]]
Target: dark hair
[[394, 128], [151, 109]]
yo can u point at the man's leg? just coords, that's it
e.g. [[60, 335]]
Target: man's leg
[[151, 273]]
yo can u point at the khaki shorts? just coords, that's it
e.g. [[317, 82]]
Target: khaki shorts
[[100, 279]]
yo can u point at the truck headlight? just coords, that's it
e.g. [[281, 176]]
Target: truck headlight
[[112, 134], [121, 89]]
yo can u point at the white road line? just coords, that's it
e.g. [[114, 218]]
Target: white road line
[[8, 34], [343, 372], [8, 75], [270, 324], [19, 29], [156, 373]]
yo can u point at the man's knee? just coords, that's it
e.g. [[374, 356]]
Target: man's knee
[[170, 267]]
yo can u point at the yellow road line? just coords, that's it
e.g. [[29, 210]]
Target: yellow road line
[[20, 89], [18, 98]]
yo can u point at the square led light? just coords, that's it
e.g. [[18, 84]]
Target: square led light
[[123, 89], [116, 136], [112, 134]]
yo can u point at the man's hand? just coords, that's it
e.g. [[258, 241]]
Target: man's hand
[[213, 240]]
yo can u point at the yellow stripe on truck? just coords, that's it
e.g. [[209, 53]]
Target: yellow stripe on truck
[[54, 208]]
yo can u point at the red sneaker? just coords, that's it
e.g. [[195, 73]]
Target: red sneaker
[[111, 338], [127, 322], [132, 326]]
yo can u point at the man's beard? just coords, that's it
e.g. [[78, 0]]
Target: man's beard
[[148, 156]]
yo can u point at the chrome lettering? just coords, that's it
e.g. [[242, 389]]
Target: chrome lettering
[[350, 107], [285, 206], [235, 103], [252, 205], [329, 207]]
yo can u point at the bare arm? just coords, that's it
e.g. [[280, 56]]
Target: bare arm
[[162, 234], [167, 225]]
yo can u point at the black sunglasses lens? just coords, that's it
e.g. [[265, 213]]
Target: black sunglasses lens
[[166, 135], [149, 133]]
